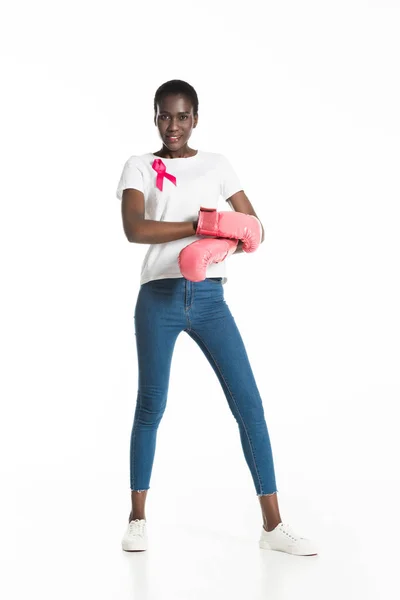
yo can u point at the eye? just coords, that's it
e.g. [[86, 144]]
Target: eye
[[163, 117], [184, 117]]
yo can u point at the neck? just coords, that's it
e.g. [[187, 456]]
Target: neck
[[184, 152]]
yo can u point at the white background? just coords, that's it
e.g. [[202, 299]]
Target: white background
[[303, 98]]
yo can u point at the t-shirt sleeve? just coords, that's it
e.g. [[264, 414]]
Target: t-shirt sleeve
[[131, 177], [230, 183]]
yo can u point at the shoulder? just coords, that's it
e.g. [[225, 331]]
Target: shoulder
[[212, 155], [137, 160], [217, 159], [140, 162]]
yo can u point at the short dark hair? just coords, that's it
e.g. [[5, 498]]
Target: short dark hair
[[179, 87]]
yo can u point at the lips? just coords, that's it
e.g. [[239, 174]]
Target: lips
[[173, 138]]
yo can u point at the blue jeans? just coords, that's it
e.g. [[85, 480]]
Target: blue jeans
[[164, 309]]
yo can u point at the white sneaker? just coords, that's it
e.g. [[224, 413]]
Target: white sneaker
[[135, 537], [284, 539]]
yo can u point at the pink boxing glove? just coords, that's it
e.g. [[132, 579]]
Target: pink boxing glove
[[196, 257], [230, 224]]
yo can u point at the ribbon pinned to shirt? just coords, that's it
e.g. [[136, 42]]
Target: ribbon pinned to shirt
[[161, 171]]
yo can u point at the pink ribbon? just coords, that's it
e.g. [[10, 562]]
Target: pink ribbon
[[161, 170]]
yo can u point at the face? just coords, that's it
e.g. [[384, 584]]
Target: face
[[175, 121]]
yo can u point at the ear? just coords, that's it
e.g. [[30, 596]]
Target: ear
[[195, 121]]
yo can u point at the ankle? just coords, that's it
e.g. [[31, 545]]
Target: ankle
[[271, 527], [134, 516]]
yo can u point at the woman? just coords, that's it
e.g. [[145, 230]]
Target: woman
[[161, 195]]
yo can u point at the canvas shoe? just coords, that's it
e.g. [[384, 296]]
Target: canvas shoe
[[284, 539], [135, 537]]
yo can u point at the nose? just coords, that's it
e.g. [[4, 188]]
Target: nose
[[172, 126]]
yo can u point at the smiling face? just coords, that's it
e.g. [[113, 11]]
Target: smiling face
[[175, 121]]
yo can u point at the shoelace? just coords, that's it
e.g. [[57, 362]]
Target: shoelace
[[287, 530], [136, 527]]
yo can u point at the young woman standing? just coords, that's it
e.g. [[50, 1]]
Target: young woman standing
[[161, 195]]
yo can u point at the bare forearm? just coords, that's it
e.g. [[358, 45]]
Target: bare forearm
[[146, 231]]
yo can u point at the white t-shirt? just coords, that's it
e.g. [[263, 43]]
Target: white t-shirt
[[206, 179]]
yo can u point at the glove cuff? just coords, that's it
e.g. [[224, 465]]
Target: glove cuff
[[208, 221]]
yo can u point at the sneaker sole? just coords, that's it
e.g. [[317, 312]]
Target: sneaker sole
[[127, 549], [266, 546]]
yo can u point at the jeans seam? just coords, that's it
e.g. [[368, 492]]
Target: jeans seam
[[234, 401], [133, 441], [191, 300]]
